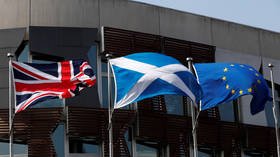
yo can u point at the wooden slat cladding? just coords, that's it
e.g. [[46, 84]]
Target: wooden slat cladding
[[156, 103], [4, 123], [94, 120], [93, 123], [210, 137], [181, 49], [212, 113], [41, 124], [260, 138], [122, 42], [122, 119], [33, 127], [173, 130], [230, 139], [178, 130], [152, 125]]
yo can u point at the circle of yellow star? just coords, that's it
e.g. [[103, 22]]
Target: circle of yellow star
[[250, 90], [232, 91], [224, 78], [257, 74], [225, 69], [241, 92], [232, 65], [227, 86], [259, 81], [251, 69]]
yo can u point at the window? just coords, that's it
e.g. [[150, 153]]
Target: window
[[147, 149], [19, 149], [105, 91], [174, 104], [24, 56], [92, 57], [208, 152], [254, 153], [269, 116], [88, 146], [128, 139], [58, 139], [229, 111]]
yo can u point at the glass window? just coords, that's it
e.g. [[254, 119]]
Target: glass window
[[92, 57], [105, 91], [19, 149], [147, 149], [203, 154], [226, 111], [58, 140], [208, 152], [253, 153], [25, 54], [104, 67], [269, 110], [85, 146], [128, 138], [174, 104]]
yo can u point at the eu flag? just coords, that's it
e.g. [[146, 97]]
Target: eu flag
[[224, 82]]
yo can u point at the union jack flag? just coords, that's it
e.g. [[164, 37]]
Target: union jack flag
[[38, 82]]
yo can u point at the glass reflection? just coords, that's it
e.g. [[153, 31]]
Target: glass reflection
[[143, 150]]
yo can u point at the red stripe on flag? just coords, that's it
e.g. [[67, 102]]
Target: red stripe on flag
[[66, 70], [56, 87]]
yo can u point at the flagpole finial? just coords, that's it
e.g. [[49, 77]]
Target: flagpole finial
[[270, 65], [189, 59], [108, 55], [10, 55]]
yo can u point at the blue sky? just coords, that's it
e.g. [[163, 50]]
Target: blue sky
[[257, 13]]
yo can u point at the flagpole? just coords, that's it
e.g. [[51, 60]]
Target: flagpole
[[66, 129], [194, 123], [11, 150], [110, 112], [274, 109]]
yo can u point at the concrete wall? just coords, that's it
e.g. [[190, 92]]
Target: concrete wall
[[70, 13], [140, 17], [14, 13], [10, 39]]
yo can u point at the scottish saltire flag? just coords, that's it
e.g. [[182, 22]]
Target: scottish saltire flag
[[224, 82], [38, 82], [144, 75]]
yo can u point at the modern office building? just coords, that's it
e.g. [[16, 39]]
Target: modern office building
[[43, 31]]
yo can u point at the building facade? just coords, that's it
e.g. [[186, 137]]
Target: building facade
[[43, 31]]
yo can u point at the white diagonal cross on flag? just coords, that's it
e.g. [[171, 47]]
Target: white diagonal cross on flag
[[151, 73]]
